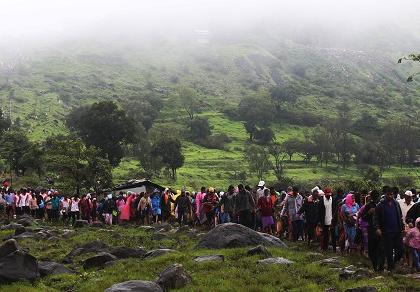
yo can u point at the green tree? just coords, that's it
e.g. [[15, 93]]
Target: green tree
[[412, 57], [75, 165], [14, 146], [258, 160], [189, 101], [200, 128], [170, 151], [106, 127], [256, 112], [277, 152], [291, 146], [281, 95], [4, 123]]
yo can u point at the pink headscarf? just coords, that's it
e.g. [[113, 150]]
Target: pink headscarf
[[349, 201]]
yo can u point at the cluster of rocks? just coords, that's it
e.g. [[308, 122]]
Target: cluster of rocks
[[173, 277], [18, 265]]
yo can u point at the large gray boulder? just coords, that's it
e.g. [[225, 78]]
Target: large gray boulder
[[173, 277], [18, 266], [52, 268], [230, 235], [135, 286]]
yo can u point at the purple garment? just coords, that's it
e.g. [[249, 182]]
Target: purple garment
[[267, 221]]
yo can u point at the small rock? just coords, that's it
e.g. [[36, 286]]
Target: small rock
[[157, 252], [53, 239], [99, 260], [147, 228], [314, 254], [173, 277], [210, 258], [352, 272], [26, 221], [184, 228], [20, 230], [11, 226], [165, 227], [135, 286], [81, 223], [116, 235], [97, 224], [159, 236], [334, 261], [128, 252], [68, 233], [362, 289], [8, 247], [276, 261], [261, 250], [52, 268], [26, 234]]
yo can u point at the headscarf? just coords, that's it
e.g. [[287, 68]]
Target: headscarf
[[349, 200]]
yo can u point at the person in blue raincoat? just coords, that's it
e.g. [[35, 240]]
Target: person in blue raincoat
[[156, 209]]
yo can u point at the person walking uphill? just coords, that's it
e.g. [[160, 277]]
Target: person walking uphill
[[243, 206], [311, 209], [293, 203], [226, 204], [389, 227], [183, 206], [325, 217], [349, 211]]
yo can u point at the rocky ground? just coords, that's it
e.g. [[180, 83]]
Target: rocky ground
[[35, 256]]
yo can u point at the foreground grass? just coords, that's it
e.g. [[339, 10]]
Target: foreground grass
[[238, 272]]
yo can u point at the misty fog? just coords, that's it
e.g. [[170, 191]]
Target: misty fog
[[331, 23]]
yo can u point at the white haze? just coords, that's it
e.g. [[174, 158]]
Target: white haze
[[40, 22]]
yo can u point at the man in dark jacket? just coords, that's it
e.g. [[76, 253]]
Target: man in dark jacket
[[389, 226], [243, 206], [368, 214], [183, 205], [226, 204], [311, 209]]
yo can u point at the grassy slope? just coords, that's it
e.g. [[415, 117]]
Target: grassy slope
[[48, 84], [238, 272]]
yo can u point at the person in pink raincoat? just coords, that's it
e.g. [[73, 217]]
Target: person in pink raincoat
[[126, 209]]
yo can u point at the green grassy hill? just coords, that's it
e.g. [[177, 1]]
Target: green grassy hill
[[45, 85]]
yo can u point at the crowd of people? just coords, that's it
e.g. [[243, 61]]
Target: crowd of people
[[382, 226]]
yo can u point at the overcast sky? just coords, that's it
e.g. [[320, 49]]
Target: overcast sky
[[40, 19]]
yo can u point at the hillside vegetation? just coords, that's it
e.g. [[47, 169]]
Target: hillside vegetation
[[43, 86]]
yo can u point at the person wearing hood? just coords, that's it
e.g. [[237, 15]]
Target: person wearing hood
[[349, 211], [209, 203], [156, 210]]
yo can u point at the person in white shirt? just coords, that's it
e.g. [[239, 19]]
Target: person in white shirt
[[406, 203], [326, 216], [261, 189]]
